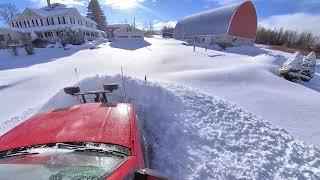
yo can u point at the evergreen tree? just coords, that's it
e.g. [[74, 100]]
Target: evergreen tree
[[96, 13], [308, 67], [292, 67], [70, 36]]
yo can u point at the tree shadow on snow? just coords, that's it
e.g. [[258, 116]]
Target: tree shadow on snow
[[314, 83], [41, 55], [129, 44], [246, 50]]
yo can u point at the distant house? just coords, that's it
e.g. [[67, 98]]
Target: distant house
[[112, 27], [8, 35], [236, 24], [46, 21], [128, 32]]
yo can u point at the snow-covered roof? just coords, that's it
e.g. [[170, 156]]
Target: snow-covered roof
[[55, 9], [117, 25], [53, 27], [215, 21], [128, 26]]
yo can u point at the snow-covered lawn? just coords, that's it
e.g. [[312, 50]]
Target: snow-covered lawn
[[218, 114]]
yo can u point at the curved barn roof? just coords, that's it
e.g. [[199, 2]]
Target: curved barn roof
[[220, 21]]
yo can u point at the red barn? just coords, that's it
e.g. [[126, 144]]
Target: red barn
[[233, 23]]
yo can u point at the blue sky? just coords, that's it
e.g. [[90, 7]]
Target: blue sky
[[294, 14]]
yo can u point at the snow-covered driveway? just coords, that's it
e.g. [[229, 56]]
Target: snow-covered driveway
[[244, 78]]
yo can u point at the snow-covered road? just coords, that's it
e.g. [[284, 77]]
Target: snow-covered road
[[207, 137]]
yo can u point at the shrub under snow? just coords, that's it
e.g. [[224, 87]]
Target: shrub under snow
[[308, 67], [70, 36], [292, 67]]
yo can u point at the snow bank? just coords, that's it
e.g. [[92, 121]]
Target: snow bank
[[87, 45], [99, 41], [195, 136]]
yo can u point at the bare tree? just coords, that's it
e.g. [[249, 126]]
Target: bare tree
[[151, 27], [7, 11], [289, 38]]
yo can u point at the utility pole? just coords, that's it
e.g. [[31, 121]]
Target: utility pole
[[134, 22]]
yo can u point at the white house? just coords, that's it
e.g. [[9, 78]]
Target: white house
[[112, 27], [46, 21], [128, 32]]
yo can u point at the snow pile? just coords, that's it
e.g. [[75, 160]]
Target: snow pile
[[56, 45], [191, 135], [87, 45], [50, 46], [69, 46], [292, 67], [308, 67], [99, 40]]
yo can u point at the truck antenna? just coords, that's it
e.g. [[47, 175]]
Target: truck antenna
[[75, 70], [124, 87]]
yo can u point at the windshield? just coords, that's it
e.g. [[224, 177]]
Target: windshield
[[62, 161]]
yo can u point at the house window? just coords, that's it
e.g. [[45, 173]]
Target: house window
[[32, 22], [9, 36], [37, 22], [25, 24], [48, 21], [12, 24], [52, 21], [59, 20], [48, 34], [17, 24], [64, 20], [2, 37], [41, 22], [28, 23], [20, 24]]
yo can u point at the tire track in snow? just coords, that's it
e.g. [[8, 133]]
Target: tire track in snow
[[194, 136]]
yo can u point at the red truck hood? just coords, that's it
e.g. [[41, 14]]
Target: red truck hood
[[92, 122]]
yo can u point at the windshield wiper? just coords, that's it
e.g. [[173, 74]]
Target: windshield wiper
[[91, 149], [16, 154]]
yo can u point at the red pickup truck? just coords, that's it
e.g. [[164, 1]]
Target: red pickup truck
[[98, 140]]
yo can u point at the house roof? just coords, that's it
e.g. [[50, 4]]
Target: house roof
[[55, 10], [128, 26], [214, 21], [117, 25]]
